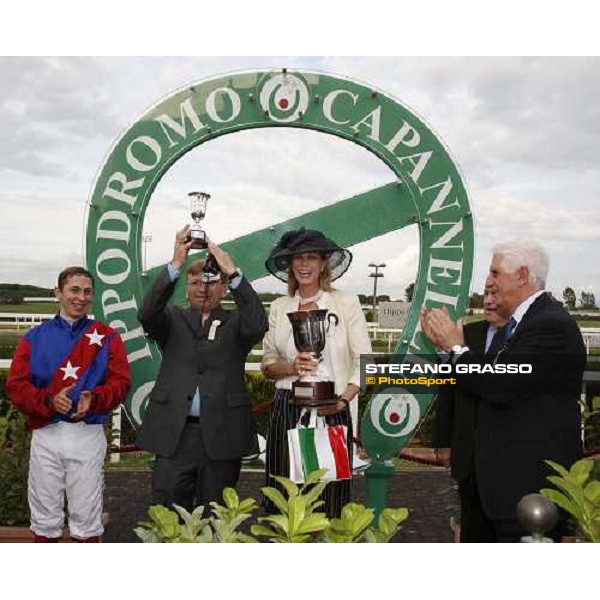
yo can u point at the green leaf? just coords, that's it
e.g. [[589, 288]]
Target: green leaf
[[188, 534], [290, 487], [219, 511], [398, 515], [315, 492], [148, 536], [245, 538], [277, 498], [562, 501], [371, 537], [198, 512], [352, 524], [580, 471], [571, 489], [247, 505], [205, 536], [300, 539], [261, 530], [237, 521], [592, 493], [356, 518], [296, 512], [312, 523], [558, 468], [186, 517], [166, 521], [230, 498], [279, 521], [314, 476], [386, 525]]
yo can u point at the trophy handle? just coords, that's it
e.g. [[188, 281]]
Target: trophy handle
[[331, 317]]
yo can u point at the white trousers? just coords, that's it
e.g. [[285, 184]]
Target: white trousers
[[67, 458]]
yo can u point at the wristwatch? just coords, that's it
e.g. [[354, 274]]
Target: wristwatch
[[458, 349], [232, 276]]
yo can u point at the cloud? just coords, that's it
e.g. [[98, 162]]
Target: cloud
[[47, 105], [523, 130]]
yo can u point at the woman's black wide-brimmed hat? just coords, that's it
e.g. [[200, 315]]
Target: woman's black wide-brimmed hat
[[306, 240]]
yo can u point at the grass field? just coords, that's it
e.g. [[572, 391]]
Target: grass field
[[10, 338], [31, 308]]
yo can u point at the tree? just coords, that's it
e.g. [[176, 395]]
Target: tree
[[476, 300], [409, 291], [569, 298], [588, 300]]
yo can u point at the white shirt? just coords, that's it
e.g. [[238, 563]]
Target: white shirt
[[524, 307]]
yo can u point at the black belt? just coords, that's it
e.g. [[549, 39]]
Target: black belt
[[195, 420]]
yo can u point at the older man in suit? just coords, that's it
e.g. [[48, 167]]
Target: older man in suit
[[455, 427], [199, 421], [520, 427]]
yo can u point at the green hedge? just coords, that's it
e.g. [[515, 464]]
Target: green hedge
[[14, 468], [4, 404]]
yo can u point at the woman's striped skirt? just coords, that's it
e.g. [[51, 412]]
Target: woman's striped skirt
[[284, 416]]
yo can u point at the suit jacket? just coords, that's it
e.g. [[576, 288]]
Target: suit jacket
[[517, 431], [349, 339], [190, 360], [456, 412]]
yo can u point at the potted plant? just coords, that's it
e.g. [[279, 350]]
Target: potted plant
[[579, 494], [298, 519]]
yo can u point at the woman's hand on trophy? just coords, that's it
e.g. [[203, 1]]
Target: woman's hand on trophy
[[305, 363], [342, 403], [223, 259], [332, 409], [181, 248]]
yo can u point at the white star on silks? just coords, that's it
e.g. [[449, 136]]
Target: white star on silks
[[70, 371], [95, 338]]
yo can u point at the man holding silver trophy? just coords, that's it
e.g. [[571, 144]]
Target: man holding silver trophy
[[199, 421]]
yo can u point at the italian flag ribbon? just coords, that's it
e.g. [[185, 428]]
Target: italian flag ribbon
[[313, 448]]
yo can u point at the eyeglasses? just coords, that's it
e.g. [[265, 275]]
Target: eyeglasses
[[202, 283]]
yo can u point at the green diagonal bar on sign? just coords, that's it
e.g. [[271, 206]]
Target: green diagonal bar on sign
[[349, 221], [364, 216]]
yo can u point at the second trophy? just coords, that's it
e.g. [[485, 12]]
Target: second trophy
[[310, 329]]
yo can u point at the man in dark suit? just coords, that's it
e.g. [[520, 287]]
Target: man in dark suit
[[199, 421], [520, 427], [455, 427]]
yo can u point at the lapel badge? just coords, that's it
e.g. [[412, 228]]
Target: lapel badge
[[213, 330]]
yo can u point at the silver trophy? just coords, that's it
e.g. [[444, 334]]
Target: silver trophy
[[198, 202], [310, 329]]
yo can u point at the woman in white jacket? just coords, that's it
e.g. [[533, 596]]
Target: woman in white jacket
[[309, 262]]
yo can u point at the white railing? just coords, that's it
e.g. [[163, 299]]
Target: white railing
[[6, 362], [26, 320], [591, 335]]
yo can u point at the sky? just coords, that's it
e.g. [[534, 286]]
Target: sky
[[523, 131]]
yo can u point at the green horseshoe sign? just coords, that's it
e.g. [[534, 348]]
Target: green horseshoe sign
[[427, 192]]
